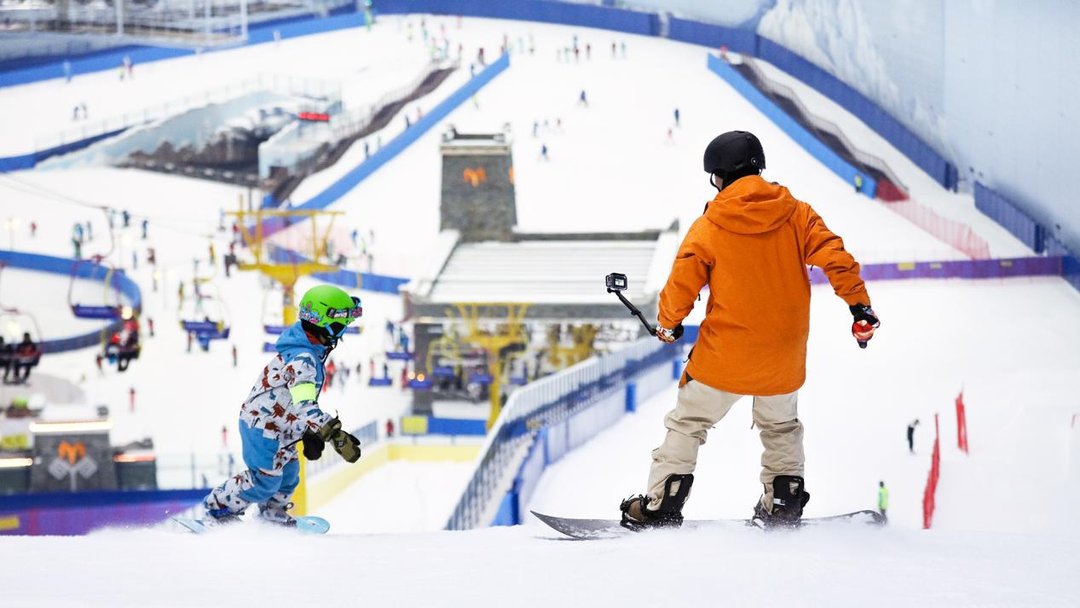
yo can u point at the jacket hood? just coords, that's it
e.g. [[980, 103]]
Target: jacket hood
[[294, 340], [751, 205]]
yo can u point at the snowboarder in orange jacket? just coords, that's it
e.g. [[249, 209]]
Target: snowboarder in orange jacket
[[751, 247]]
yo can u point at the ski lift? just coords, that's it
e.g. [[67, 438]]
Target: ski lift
[[211, 326], [481, 378], [104, 312], [14, 323], [123, 345]]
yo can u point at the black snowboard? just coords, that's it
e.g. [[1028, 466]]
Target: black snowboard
[[592, 529]]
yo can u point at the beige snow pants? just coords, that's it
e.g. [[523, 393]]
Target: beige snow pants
[[699, 408]]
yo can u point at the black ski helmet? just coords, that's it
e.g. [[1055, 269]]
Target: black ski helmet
[[734, 151]]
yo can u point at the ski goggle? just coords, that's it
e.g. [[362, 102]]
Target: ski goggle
[[346, 313]]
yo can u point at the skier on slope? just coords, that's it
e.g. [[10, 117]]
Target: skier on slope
[[751, 247], [282, 410]]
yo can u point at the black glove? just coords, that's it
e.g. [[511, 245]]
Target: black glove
[[313, 445], [865, 323], [347, 445]]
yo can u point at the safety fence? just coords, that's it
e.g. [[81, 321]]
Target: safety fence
[[544, 420], [957, 235], [77, 269], [955, 269], [1014, 218], [930, 492]]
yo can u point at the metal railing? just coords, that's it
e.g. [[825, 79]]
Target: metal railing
[[343, 126], [825, 126], [545, 402], [286, 85]]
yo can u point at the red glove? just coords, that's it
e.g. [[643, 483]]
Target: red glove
[[865, 323]]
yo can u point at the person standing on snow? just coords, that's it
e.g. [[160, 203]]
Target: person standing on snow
[[751, 247], [282, 410], [883, 500]]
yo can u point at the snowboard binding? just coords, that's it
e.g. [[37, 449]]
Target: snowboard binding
[[789, 496], [637, 516]]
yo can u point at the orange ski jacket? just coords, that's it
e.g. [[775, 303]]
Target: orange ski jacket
[[752, 247]]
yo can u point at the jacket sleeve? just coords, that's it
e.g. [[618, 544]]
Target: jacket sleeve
[[689, 274], [301, 374], [826, 250]]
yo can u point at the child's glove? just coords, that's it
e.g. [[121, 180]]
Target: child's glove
[[344, 443], [347, 445], [313, 445]]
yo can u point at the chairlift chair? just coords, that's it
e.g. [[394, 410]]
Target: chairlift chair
[[104, 311]]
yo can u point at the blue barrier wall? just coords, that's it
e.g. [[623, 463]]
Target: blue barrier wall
[[410, 135], [81, 512], [543, 11], [456, 426], [789, 125], [357, 280], [81, 269], [1010, 216], [28, 161], [712, 36], [870, 113]]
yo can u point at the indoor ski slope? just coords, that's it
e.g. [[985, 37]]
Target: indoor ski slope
[[1000, 537]]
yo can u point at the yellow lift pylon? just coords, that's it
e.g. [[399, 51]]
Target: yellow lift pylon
[[253, 229], [508, 330]]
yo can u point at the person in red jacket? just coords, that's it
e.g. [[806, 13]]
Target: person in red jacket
[[751, 247]]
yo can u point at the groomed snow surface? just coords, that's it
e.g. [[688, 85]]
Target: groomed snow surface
[[1003, 534]]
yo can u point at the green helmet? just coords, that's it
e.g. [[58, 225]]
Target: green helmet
[[330, 308]]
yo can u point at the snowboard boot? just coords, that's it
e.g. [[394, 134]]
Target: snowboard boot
[[637, 516], [217, 514], [276, 511], [789, 498]]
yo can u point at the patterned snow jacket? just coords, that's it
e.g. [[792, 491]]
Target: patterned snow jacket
[[283, 401]]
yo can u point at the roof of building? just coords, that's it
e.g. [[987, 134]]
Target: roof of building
[[560, 275]]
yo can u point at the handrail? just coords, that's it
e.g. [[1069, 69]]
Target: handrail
[[775, 88], [543, 403]]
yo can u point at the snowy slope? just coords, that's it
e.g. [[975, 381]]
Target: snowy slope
[[524, 566], [1009, 344]]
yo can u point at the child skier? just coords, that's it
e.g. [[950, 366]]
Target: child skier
[[282, 410]]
